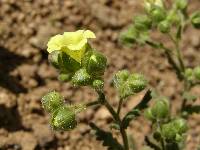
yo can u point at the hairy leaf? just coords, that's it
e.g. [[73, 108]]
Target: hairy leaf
[[107, 138]]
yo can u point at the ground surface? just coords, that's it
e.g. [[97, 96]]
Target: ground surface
[[25, 74]]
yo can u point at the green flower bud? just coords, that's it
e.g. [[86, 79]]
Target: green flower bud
[[157, 135], [53, 58], [180, 125], [173, 17], [195, 19], [137, 82], [130, 36], [98, 85], [164, 26], [52, 101], [189, 74], [81, 78], [64, 77], [181, 4], [120, 77], [168, 131], [197, 72], [142, 22], [160, 109], [95, 63], [178, 138], [64, 119], [158, 14], [148, 114]]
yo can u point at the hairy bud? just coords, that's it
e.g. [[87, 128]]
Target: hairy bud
[[158, 14], [160, 109], [81, 78], [142, 22], [95, 63], [148, 114], [52, 101], [64, 119], [181, 4], [98, 85], [189, 74], [164, 26]]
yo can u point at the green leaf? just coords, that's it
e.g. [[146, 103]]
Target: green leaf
[[107, 138], [136, 110], [152, 143], [192, 109]]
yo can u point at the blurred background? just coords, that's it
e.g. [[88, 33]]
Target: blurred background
[[26, 75]]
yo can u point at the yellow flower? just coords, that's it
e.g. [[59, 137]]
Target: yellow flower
[[72, 43], [148, 3]]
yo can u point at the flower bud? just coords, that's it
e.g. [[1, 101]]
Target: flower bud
[[158, 14], [64, 77], [164, 26], [180, 125], [160, 109], [148, 114], [197, 72], [142, 22], [181, 4], [81, 78], [120, 77], [195, 19], [168, 131], [53, 58], [137, 82], [95, 63], [130, 36], [189, 74], [52, 101], [98, 85], [64, 119]]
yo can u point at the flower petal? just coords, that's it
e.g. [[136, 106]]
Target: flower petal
[[89, 34], [55, 43]]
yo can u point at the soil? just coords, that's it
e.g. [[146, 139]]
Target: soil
[[26, 75]]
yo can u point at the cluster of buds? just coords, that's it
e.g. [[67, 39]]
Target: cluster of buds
[[76, 60], [193, 75], [63, 117], [157, 16], [128, 84]]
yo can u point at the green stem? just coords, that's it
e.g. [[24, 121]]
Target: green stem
[[116, 117], [162, 141], [92, 103], [119, 106]]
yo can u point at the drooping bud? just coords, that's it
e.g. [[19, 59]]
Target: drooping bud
[[160, 109], [98, 85], [197, 72], [142, 22], [52, 101], [164, 26], [158, 14], [181, 4], [81, 78], [64, 119], [95, 63], [195, 19]]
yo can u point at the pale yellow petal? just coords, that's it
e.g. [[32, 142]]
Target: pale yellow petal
[[89, 34], [73, 37], [55, 43]]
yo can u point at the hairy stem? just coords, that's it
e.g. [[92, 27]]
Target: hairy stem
[[116, 117], [119, 106]]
